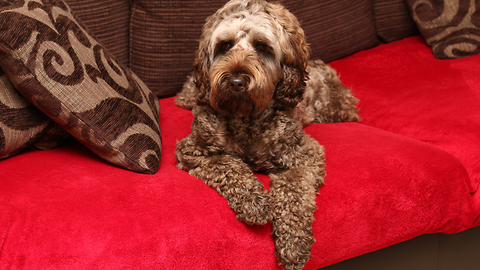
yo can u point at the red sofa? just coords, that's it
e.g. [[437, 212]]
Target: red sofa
[[411, 167]]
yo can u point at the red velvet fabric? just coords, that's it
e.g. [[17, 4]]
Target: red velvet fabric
[[412, 93], [407, 169], [404, 89]]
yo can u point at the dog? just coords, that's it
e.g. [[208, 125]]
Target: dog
[[251, 92]]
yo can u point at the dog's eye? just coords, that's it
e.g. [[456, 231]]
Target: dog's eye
[[223, 47], [226, 46], [263, 48]]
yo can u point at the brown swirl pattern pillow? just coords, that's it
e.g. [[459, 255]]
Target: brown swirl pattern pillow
[[451, 28], [22, 124], [56, 64], [53, 136], [4, 3]]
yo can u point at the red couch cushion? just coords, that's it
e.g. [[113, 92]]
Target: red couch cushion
[[67, 209], [84, 213], [404, 89]]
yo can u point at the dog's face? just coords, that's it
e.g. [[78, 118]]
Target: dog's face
[[250, 53]]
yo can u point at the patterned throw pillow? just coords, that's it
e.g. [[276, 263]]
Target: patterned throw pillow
[[451, 28], [22, 124], [4, 3], [53, 136], [56, 64]]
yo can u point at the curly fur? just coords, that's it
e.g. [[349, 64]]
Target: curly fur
[[257, 125]]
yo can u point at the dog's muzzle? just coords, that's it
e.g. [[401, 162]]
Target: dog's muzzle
[[233, 98], [240, 85]]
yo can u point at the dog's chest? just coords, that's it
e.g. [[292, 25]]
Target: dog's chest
[[267, 141], [257, 143]]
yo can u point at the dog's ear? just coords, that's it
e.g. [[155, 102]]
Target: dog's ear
[[201, 65], [290, 90], [200, 77], [296, 53], [297, 50]]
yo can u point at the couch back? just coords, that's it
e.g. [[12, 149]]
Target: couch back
[[158, 39]]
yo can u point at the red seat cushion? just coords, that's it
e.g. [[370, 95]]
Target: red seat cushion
[[68, 209], [404, 89]]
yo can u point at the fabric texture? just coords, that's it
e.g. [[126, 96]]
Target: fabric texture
[[109, 21], [22, 124], [451, 28], [378, 191], [335, 28], [435, 102], [4, 3], [393, 20], [165, 35], [164, 38], [52, 137], [56, 65]]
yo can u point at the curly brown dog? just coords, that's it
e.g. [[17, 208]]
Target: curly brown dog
[[252, 91]]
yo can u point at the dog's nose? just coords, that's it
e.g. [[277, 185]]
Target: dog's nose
[[236, 83]]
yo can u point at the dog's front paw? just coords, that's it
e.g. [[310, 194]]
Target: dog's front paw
[[252, 208], [293, 248]]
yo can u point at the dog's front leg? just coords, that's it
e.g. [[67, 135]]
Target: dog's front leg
[[293, 191], [233, 180]]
